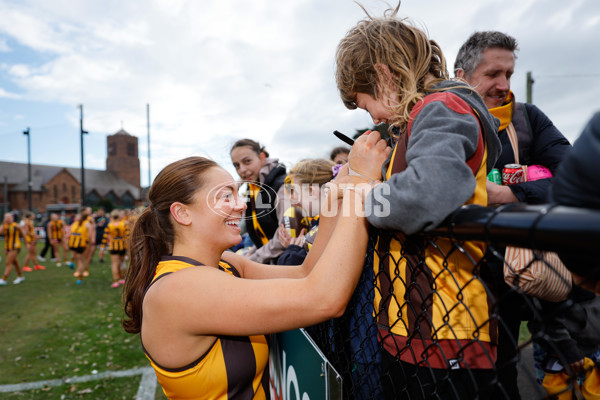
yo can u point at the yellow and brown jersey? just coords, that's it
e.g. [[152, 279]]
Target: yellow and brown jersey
[[79, 235], [29, 231], [56, 229], [233, 368], [12, 236], [431, 308], [115, 235]]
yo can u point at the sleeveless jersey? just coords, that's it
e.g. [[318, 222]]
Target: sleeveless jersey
[[127, 227], [29, 231], [56, 229], [233, 368], [427, 302], [12, 235], [79, 235], [115, 234]]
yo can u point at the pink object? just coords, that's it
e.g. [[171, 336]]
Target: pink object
[[536, 172]]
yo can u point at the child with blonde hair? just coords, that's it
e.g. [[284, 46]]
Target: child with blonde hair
[[303, 186]]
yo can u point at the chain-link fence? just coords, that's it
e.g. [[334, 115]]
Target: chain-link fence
[[443, 314]]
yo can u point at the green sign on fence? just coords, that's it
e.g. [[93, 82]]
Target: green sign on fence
[[299, 371]]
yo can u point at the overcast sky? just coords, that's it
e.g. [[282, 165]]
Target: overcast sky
[[214, 71]]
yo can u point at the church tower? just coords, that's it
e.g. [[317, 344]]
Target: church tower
[[122, 157]]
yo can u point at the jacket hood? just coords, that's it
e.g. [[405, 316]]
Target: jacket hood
[[489, 122], [265, 172]]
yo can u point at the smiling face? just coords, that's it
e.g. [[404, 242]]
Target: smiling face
[[247, 162], [492, 76], [216, 211]]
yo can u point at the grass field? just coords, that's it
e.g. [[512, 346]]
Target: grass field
[[52, 328]]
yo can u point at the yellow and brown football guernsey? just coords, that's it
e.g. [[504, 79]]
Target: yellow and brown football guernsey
[[56, 229], [233, 368], [114, 235], [12, 237], [29, 231], [79, 235], [430, 308]]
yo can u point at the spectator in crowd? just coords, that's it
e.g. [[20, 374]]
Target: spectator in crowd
[[180, 271], [339, 155], [566, 333], [487, 62], [577, 184], [30, 243], [436, 342], [303, 186], [12, 245], [264, 177]]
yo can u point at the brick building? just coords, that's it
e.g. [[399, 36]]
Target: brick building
[[119, 183]]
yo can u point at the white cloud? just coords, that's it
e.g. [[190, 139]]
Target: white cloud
[[7, 95], [216, 71], [4, 48]]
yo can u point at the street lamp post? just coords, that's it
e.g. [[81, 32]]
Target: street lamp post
[[29, 183], [82, 132]]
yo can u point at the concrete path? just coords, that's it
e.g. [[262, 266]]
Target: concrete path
[[145, 391], [529, 389]]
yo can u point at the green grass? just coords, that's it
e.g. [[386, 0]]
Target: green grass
[[52, 328]]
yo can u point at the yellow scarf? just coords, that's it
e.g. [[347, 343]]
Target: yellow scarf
[[254, 191], [504, 112]]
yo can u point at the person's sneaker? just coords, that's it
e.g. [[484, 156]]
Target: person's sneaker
[[54, 259], [58, 264], [114, 285], [86, 273], [2, 282], [39, 267], [121, 281], [27, 269], [79, 281], [42, 259], [19, 280], [71, 264]]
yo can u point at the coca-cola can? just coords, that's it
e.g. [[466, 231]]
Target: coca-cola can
[[513, 173]]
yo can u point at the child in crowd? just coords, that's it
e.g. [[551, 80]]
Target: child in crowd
[[432, 310], [339, 155], [303, 186]]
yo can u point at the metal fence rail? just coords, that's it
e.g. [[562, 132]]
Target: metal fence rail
[[433, 316]]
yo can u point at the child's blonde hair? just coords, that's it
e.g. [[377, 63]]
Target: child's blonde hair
[[406, 51], [313, 171]]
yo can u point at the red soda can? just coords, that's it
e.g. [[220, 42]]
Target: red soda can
[[513, 173]]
